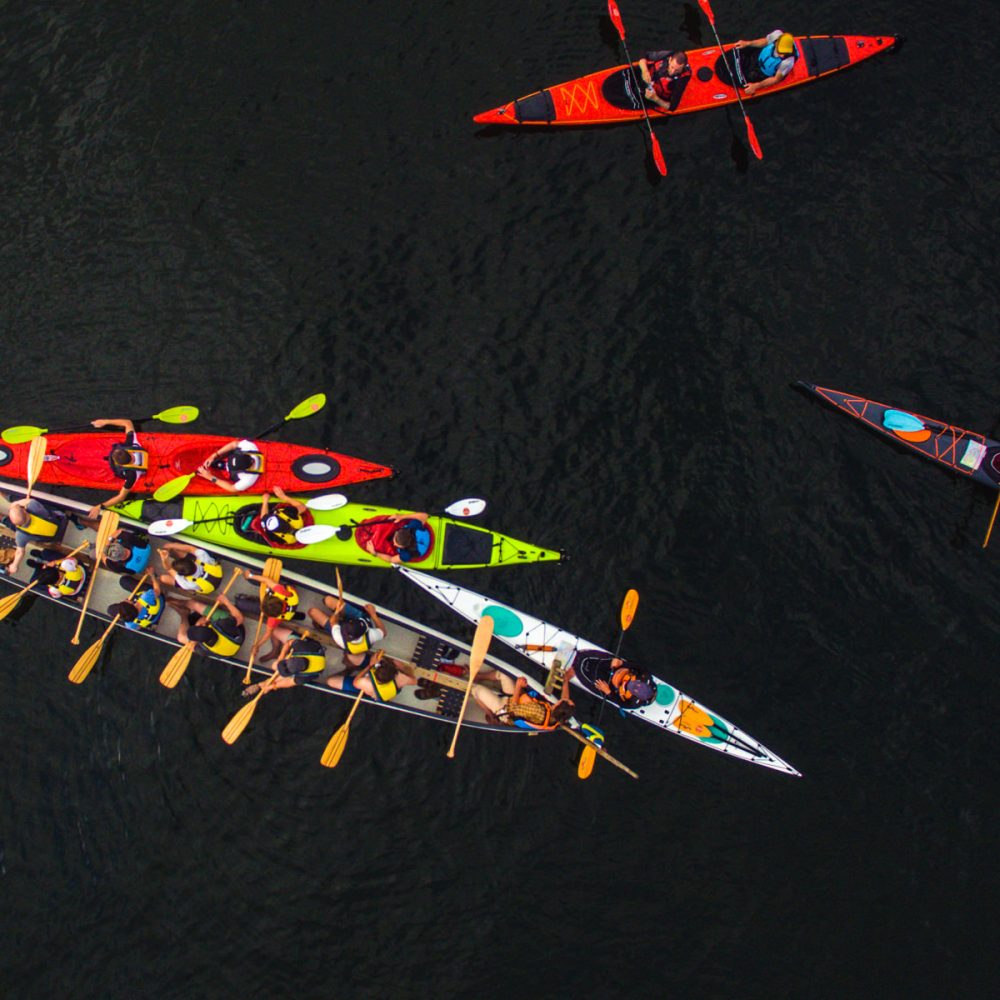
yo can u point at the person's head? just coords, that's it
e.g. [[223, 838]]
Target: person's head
[[200, 633], [641, 689], [184, 565], [562, 712], [384, 671], [121, 456], [272, 522], [785, 45], [272, 605], [17, 516], [116, 552], [126, 611], [240, 461], [352, 629], [404, 539], [676, 63]]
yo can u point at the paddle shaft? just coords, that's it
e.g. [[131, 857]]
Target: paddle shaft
[[989, 530], [600, 751], [271, 572], [109, 522]]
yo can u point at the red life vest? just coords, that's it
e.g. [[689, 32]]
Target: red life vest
[[379, 533], [663, 83]]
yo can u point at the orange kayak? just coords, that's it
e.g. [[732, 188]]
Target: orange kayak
[[609, 96]]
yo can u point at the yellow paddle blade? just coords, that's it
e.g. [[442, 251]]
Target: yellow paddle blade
[[272, 569], [21, 434], [36, 459], [586, 765], [335, 748], [629, 605], [240, 721], [83, 666], [10, 602], [172, 488], [308, 407], [177, 415], [178, 664]]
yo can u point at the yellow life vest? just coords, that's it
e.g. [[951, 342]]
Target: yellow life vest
[[206, 576], [138, 458], [71, 582], [222, 645], [315, 662], [386, 691], [290, 520], [40, 527], [149, 611], [291, 599]]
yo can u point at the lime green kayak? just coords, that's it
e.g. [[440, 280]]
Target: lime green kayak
[[446, 544]]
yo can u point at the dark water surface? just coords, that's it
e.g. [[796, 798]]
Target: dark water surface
[[237, 204]]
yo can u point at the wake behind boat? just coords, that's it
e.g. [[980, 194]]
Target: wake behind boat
[[546, 645], [609, 96]]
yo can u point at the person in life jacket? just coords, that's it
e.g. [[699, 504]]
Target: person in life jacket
[[128, 551], [300, 661], [621, 684], [142, 612], [234, 467], [129, 462], [774, 61], [517, 704], [381, 680], [278, 607], [189, 568], [33, 522], [665, 75], [352, 630], [401, 538], [277, 525], [222, 634], [71, 581]]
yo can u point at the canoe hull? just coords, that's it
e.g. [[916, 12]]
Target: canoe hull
[[81, 460], [966, 453], [672, 709], [607, 97]]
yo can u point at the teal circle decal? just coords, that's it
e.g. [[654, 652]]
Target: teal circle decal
[[505, 622], [665, 694]]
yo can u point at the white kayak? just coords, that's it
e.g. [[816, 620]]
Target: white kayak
[[544, 643]]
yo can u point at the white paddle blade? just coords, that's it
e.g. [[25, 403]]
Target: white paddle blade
[[313, 533], [170, 526], [469, 507], [329, 501]]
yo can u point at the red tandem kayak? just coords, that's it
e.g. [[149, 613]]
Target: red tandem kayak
[[608, 96], [81, 460]]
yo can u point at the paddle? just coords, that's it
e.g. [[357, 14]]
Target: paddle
[[174, 487], [616, 18], [480, 643], [8, 604], [272, 571], [240, 720], [600, 751], [25, 432], [751, 133], [174, 525], [178, 663], [36, 459], [629, 604], [83, 666], [989, 530], [107, 527], [335, 748]]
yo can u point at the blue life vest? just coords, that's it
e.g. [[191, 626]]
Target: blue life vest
[[769, 60], [139, 559], [149, 606]]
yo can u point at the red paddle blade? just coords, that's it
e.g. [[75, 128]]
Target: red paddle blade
[[616, 18], [707, 8], [752, 137], [657, 154]]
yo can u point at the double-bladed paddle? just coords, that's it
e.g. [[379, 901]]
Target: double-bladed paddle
[[25, 432], [306, 408], [616, 19]]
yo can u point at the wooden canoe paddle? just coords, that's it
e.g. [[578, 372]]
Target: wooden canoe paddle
[[480, 644]]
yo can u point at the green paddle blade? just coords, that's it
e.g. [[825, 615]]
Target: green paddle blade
[[172, 488], [308, 407], [21, 434], [177, 415]]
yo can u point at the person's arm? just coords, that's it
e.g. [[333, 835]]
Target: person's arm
[[181, 547], [16, 561], [752, 88], [373, 614], [285, 498], [234, 611], [265, 504], [756, 43], [564, 694], [95, 511], [126, 425], [644, 70]]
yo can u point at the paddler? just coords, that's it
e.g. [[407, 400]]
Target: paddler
[[278, 607], [277, 525], [396, 539], [128, 551], [352, 630], [621, 684], [128, 460], [520, 705], [665, 75], [773, 63], [144, 611], [34, 522], [234, 467], [222, 635], [189, 568], [300, 660], [71, 580], [386, 678]]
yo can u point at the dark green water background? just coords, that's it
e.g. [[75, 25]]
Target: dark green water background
[[236, 204]]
